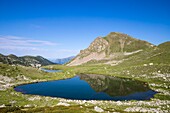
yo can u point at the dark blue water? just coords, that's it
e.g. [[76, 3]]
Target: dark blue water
[[90, 87], [50, 71]]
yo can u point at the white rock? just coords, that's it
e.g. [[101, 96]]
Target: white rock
[[150, 64], [144, 64], [27, 105], [3, 105], [63, 104], [98, 109], [164, 78]]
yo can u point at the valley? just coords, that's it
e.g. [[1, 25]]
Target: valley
[[117, 55]]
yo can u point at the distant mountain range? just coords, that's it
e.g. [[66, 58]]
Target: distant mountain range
[[25, 60], [62, 60], [116, 48]]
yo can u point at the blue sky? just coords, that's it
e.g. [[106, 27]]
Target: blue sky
[[61, 28]]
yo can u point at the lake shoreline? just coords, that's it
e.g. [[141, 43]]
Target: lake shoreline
[[40, 101]]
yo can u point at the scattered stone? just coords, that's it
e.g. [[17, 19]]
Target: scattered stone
[[2, 106], [144, 64], [98, 109], [150, 64], [119, 103], [6, 82], [63, 104], [34, 98], [144, 110], [28, 105], [6, 79]]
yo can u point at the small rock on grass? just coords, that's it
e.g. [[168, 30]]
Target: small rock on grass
[[63, 104], [98, 109]]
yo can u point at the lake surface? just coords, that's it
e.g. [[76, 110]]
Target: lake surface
[[91, 87], [50, 71]]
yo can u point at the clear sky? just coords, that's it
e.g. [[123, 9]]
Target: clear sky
[[61, 28]]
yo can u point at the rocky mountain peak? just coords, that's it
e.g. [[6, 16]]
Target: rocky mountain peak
[[95, 51], [112, 46], [98, 45]]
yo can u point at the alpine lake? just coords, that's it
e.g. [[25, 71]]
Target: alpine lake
[[90, 87]]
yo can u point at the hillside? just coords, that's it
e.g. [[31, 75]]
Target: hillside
[[25, 60], [111, 49]]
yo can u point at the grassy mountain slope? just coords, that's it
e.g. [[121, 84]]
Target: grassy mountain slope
[[119, 42]]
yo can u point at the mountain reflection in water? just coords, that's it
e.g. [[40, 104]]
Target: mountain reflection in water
[[114, 86], [90, 87]]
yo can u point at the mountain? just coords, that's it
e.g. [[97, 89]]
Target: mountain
[[111, 49], [25, 60], [63, 60]]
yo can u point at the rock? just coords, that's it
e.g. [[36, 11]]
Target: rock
[[94, 52], [3, 105], [63, 104], [98, 109], [28, 105], [150, 64], [34, 98], [144, 64]]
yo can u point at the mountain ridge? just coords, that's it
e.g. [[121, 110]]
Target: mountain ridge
[[34, 61]]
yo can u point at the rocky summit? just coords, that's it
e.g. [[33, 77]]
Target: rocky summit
[[111, 49]]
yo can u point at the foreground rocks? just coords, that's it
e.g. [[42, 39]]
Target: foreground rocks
[[20, 100]]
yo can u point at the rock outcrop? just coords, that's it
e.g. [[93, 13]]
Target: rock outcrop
[[96, 51]]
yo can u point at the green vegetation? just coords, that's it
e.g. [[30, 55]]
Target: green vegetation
[[18, 102], [151, 65]]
